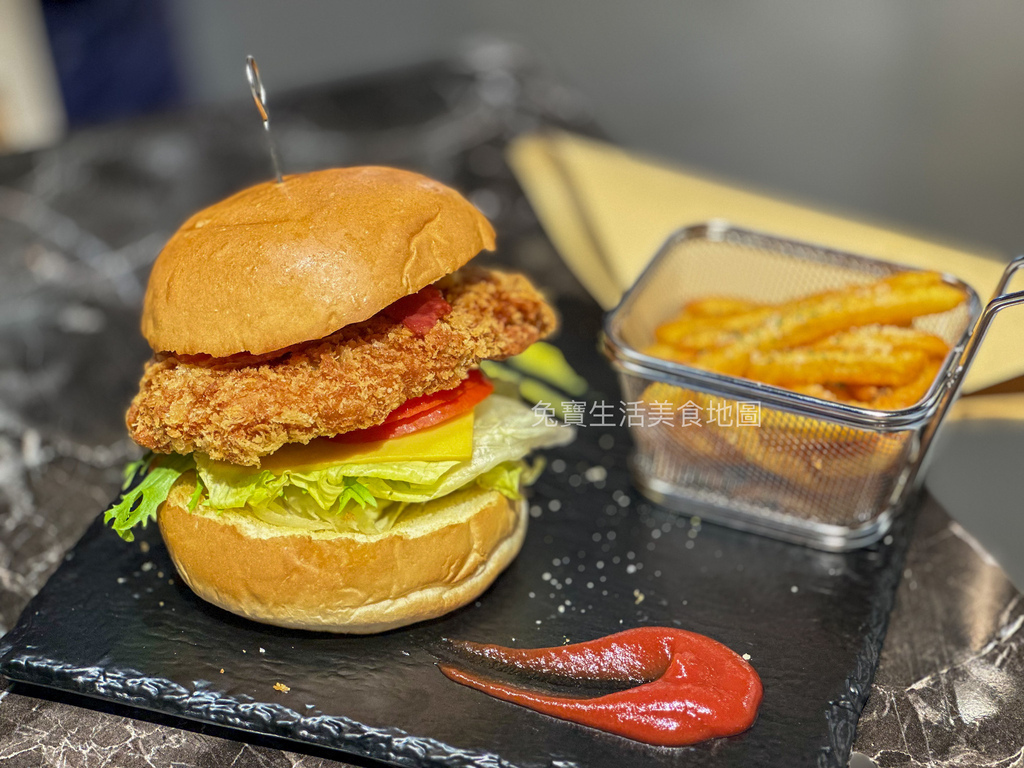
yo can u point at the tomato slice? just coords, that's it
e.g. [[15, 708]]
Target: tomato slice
[[424, 411]]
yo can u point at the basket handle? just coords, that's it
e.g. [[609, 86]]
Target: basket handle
[[1000, 300]]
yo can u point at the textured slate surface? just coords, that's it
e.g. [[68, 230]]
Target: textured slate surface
[[115, 623]]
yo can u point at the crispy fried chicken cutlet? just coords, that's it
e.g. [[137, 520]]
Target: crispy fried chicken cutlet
[[238, 409]]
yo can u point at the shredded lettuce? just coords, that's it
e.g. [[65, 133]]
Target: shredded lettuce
[[368, 498], [146, 485], [509, 478], [504, 430]]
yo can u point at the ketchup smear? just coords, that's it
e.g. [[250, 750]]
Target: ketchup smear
[[419, 311], [690, 687]]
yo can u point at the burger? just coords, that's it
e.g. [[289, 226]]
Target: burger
[[324, 452]]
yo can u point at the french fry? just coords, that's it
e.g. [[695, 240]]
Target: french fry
[[718, 306], [819, 391], [701, 443], [669, 352], [884, 339], [865, 394], [787, 368], [833, 391], [889, 301], [908, 394], [857, 346], [708, 332]]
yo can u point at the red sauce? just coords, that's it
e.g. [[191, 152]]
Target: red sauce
[[419, 311], [690, 687]]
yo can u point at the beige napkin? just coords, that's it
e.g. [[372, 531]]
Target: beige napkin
[[607, 211]]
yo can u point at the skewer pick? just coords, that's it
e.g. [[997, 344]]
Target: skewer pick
[[259, 95]]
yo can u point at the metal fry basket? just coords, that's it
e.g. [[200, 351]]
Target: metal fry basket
[[754, 456]]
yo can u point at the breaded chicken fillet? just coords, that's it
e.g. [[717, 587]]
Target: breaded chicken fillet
[[240, 408]]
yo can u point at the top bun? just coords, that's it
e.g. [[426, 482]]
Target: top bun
[[280, 264]]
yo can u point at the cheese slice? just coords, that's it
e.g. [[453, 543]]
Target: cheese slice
[[451, 440]]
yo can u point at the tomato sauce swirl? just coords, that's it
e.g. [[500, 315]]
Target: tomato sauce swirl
[[689, 687]]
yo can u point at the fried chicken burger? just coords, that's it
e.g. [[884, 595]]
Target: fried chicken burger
[[324, 451]]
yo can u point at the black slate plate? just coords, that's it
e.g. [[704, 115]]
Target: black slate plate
[[113, 622]]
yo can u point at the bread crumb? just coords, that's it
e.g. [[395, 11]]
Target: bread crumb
[[281, 687], [638, 596], [144, 546], [222, 670]]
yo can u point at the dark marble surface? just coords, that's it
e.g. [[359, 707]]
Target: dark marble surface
[[949, 690], [79, 226]]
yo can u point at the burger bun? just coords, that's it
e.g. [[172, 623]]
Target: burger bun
[[439, 556]]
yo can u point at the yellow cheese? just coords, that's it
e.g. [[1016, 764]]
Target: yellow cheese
[[451, 440]]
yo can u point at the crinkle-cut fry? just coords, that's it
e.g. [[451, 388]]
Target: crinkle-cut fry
[[790, 367], [719, 306], [887, 301], [883, 339], [905, 396]]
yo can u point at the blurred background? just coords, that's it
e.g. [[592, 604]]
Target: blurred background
[[905, 112]]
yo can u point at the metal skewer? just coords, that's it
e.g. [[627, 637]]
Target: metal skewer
[[259, 95]]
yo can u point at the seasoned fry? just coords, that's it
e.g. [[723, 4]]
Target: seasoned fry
[[820, 366], [878, 303], [708, 332], [845, 455], [864, 394], [669, 352], [856, 346], [819, 391], [905, 396], [718, 306], [699, 443], [884, 339]]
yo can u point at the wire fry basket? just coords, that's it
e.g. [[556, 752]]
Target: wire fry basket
[[757, 457]]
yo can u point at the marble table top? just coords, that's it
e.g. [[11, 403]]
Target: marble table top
[[80, 223]]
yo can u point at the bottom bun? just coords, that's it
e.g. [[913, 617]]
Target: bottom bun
[[438, 557]]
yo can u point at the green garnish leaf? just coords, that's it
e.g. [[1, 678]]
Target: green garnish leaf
[[153, 475]]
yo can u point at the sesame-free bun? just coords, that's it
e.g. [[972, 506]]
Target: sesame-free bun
[[280, 264], [434, 560]]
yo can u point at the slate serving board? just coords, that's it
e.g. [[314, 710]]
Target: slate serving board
[[115, 623]]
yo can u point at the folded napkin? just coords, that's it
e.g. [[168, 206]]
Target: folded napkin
[[608, 211]]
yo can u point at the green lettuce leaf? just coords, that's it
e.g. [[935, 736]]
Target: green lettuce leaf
[[153, 475], [504, 430], [367, 498]]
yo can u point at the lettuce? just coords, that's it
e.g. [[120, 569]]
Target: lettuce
[[146, 485], [504, 430], [509, 478], [368, 498]]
